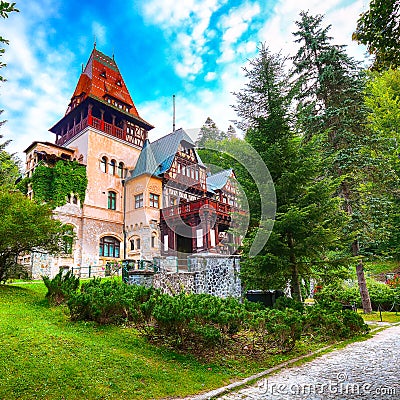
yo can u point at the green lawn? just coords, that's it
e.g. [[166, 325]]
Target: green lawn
[[391, 317], [44, 356]]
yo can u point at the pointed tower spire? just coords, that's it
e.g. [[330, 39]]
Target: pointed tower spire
[[102, 101]]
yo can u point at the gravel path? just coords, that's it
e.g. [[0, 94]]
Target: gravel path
[[363, 370]]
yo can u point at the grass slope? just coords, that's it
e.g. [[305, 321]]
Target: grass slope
[[45, 356]]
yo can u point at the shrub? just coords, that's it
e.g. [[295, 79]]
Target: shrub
[[61, 287], [332, 322], [197, 318], [337, 293], [111, 302], [276, 329], [382, 295], [282, 303]]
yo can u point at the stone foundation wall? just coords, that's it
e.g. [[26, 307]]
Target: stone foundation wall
[[217, 275], [174, 283], [213, 274], [41, 265], [141, 278]]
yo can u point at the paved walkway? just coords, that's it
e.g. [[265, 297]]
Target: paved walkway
[[363, 370]]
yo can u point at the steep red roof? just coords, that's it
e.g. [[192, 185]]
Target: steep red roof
[[101, 79]]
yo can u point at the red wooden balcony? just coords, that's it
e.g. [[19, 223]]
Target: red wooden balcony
[[184, 210], [100, 125]]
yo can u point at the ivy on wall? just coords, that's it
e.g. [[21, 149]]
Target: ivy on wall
[[54, 184]]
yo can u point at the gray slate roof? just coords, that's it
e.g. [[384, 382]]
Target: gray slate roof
[[218, 180], [157, 157], [146, 163]]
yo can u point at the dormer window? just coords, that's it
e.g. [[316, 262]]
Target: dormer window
[[103, 74], [119, 83]]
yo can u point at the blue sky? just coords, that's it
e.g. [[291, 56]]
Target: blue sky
[[195, 49]]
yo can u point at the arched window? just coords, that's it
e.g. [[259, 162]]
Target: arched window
[[103, 164], [68, 239], [121, 170], [137, 244], [109, 247], [112, 200], [112, 167]]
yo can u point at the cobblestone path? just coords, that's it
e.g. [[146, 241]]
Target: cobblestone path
[[364, 370]]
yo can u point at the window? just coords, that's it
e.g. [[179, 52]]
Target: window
[[120, 171], [67, 239], [153, 241], [139, 200], [138, 244], [103, 164], [112, 200], [154, 200], [109, 247], [132, 244], [112, 167], [173, 201]]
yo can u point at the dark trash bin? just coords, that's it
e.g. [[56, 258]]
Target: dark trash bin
[[265, 297]]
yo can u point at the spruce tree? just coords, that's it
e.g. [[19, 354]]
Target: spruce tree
[[209, 131], [308, 218]]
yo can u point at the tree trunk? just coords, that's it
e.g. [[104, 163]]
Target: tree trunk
[[295, 287], [362, 284], [295, 280]]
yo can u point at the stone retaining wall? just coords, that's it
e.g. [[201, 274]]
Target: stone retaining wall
[[213, 274], [174, 283]]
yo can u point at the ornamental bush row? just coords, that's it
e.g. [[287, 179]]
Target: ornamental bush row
[[202, 321]]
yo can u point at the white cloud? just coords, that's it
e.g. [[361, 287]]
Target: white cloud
[[38, 88], [197, 104], [210, 76], [186, 25], [234, 25], [99, 32]]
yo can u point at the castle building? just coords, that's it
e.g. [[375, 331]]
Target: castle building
[[143, 200]]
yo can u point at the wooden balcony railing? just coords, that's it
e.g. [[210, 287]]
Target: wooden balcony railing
[[194, 207], [100, 125]]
